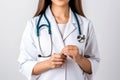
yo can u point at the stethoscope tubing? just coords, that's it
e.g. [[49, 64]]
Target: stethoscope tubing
[[38, 27]]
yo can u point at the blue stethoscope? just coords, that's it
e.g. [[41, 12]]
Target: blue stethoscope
[[80, 37]]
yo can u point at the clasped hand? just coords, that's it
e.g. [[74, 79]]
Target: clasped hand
[[57, 60]]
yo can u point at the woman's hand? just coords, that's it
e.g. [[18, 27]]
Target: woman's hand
[[72, 51], [56, 60]]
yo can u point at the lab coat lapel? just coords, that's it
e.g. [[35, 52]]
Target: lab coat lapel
[[56, 36], [71, 26], [68, 30]]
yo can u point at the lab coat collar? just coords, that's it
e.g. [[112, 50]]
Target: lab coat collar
[[71, 25]]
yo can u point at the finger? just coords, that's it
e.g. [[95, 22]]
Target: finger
[[60, 56], [68, 47], [70, 53], [63, 56], [56, 56], [58, 60], [57, 63]]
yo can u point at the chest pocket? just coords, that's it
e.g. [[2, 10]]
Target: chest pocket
[[45, 41]]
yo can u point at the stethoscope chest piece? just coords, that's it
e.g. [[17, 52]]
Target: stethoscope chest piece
[[81, 38]]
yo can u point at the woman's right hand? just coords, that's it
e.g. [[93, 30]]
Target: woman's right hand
[[56, 60]]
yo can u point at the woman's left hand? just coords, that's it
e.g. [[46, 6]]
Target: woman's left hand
[[72, 51]]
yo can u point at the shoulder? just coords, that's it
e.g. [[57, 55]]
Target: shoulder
[[84, 20], [86, 24], [32, 22]]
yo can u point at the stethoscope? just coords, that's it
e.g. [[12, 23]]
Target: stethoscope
[[80, 37]]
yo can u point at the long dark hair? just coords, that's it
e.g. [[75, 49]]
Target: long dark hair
[[76, 6]]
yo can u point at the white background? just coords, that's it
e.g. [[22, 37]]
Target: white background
[[105, 14]]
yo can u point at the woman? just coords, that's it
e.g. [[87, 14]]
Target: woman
[[54, 53]]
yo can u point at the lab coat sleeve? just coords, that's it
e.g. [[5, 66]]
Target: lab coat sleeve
[[27, 59], [91, 50]]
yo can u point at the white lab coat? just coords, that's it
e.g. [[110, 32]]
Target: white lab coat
[[30, 50]]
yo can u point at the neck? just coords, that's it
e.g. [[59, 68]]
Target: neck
[[61, 13]]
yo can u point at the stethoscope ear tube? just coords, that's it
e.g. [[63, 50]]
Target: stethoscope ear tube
[[49, 25], [78, 24], [37, 27]]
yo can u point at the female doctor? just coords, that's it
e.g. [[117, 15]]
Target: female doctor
[[59, 43]]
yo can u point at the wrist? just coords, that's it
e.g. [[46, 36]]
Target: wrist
[[78, 58], [47, 64]]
